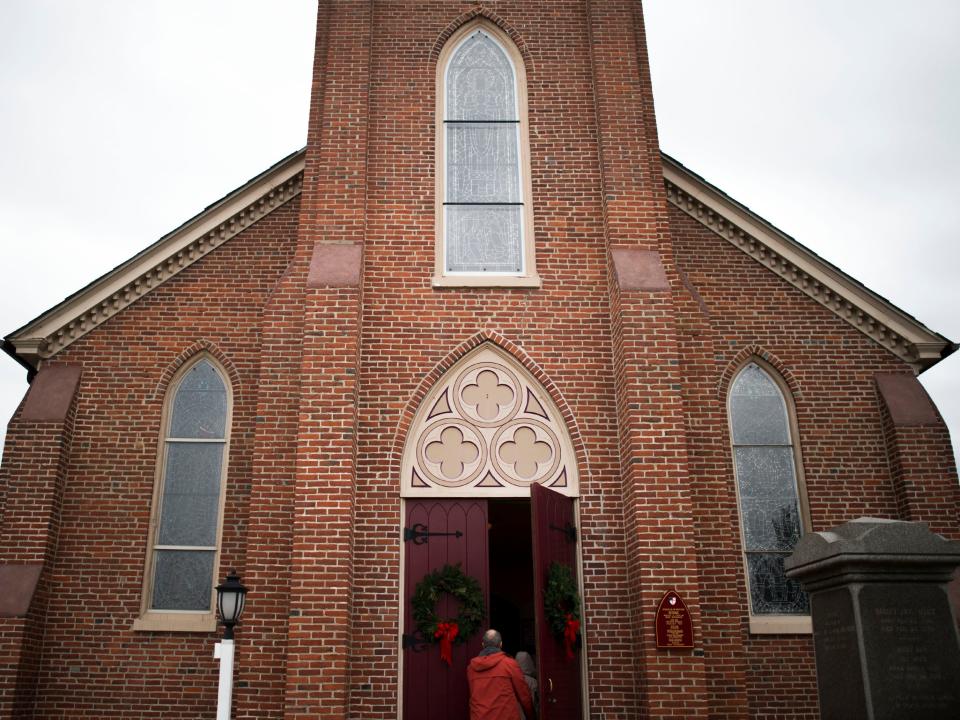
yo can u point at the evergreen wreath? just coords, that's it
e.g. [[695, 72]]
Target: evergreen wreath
[[448, 580], [561, 601]]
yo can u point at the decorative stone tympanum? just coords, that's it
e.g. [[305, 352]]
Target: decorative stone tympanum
[[488, 428], [885, 638]]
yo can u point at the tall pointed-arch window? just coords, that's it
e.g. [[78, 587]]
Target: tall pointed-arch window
[[484, 217], [188, 502], [766, 465]]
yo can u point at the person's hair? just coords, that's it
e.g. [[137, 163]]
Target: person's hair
[[492, 638], [527, 664]]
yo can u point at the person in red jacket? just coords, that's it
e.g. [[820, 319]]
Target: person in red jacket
[[497, 687]]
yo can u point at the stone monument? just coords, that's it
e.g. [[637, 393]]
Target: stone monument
[[886, 641]]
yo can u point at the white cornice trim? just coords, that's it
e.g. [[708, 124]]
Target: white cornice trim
[[79, 314], [869, 313]]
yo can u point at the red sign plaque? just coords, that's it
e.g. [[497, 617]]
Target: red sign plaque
[[674, 626]]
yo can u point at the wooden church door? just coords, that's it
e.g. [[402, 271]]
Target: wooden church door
[[554, 540], [433, 690]]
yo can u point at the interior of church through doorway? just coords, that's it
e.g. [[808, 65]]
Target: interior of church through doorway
[[511, 575]]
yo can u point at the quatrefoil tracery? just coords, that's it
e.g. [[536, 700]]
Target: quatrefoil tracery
[[525, 452], [488, 428], [487, 394], [452, 452]]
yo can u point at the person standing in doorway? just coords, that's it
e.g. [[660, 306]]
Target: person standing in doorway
[[497, 688], [528, 667]]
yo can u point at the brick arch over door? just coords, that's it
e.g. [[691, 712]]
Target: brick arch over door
[[487, 427]]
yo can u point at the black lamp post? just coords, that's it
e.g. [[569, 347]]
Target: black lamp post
[[230, 598]]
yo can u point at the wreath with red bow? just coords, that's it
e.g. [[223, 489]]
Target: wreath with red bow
[[448, 580], [561, 601]]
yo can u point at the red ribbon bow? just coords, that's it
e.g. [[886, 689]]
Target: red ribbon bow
[[447, 632], [570, 633]]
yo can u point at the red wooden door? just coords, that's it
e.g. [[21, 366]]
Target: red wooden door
[[554, 540], [432, 690]]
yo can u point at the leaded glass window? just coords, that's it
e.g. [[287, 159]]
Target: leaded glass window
[[483, 197], [187, 531], [766, 473]]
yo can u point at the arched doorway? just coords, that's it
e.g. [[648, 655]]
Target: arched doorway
[[489, 481]]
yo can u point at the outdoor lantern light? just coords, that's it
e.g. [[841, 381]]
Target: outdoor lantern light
[[230, 598]]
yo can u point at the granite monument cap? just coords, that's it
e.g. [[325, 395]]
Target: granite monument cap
[[874, 549]]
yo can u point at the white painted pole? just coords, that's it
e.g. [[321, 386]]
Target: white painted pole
[[224, 651]]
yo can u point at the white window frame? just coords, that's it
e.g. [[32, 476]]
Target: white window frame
[[771, 624], [183, 620], [527, 277]]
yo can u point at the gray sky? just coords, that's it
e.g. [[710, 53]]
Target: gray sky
[[836, 121]]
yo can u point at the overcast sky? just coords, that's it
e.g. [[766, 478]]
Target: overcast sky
[[839, 122]]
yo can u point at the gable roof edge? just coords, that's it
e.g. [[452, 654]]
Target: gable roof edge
[[88, 308], [851, 301]]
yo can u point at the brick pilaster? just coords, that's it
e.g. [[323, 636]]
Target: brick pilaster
[[659, 515], [716, 528], [922, 465], [331, 233], [262, 642], [31, 486]]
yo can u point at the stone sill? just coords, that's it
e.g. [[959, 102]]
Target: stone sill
[[529, 281], [175, 622], [781, 625]]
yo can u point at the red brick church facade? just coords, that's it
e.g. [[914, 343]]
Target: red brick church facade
[[342, 342]]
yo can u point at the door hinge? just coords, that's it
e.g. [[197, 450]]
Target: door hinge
[[569, 530], [413, 641], [420, 532]]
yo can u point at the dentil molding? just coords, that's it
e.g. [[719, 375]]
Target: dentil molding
[[847, 299]]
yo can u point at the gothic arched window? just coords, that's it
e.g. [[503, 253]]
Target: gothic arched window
[[188, 502], [766, 466], [484, 219]]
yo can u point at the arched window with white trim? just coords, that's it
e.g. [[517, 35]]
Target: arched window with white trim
[[188, 502], [484, 219], [766, 465]]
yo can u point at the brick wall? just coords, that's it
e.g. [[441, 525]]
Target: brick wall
[[326, 318], [738, 309], [94, 665]]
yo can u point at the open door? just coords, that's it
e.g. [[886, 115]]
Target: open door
[[554, 540], [433, 690]]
